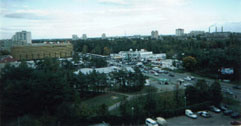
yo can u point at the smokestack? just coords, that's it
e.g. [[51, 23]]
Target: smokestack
[[222, 29], [209, 29], [216, 29]]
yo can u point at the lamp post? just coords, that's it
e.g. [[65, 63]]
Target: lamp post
[[132, 110], [185, 101]]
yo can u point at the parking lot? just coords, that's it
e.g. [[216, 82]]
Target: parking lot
[[217, 119]]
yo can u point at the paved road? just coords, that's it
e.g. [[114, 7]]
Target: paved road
[[173, 80]]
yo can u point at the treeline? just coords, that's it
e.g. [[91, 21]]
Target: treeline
[[211, 55]]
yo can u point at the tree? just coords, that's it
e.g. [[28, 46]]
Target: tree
[[215, 93], [85, 49], [35, 91], [76, 57], [107, 51], [4, 52], [103, 110], [189, 63]]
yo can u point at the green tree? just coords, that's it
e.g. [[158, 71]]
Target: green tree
[[189, 63], [103, 110], [107, 51], [215, 93], [85, 49]]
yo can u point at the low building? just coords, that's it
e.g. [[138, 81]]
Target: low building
[[40, 51], [138, 55], [196, 33], [105, 70]]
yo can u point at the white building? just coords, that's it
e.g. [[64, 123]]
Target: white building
[[22, 38], [84, 36], [154, 35], [75, 37], [138, 55], [103, 36], [179, 32]]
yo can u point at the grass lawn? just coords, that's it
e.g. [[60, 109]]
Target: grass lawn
[[145, 89], [108, 99]]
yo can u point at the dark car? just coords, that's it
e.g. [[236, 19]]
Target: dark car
[[204, 114], [237, 87], [235, 122], [235, 115], [228, 112], [223, 107], [171, 75]]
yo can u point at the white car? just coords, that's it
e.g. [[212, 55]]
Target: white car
[[190, 114], [156, 74], [187, 78], [151, 122], [187, 84]]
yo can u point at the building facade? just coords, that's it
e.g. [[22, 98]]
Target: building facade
[[103, 36], [154, 35], [22, 38], [84, 36], [179, 32], [75, 37], [40, 51]]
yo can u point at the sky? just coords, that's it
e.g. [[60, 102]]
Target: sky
[[62, 18]]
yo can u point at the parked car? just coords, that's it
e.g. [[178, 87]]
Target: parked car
[[156, 74], [237, 87], [151, 122], [161, 121], [215, 109], [187, 84], [235, 122], [171, 75], [187, 78], [228, 112], [190, 114], [223, 107], [235, 115], [192, 77], [204, 114]]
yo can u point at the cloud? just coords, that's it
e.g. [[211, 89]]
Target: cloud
[[28, 14], [121, 2]]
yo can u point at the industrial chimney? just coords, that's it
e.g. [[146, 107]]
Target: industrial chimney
[[222, 29], [216, 29]]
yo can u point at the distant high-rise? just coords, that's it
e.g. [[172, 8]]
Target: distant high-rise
[[154, 35], [103, 36], [75, 37], [22, 38], [179, 32], [84, 36]]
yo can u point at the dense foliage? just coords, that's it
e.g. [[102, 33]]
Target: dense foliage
[[51, 91]]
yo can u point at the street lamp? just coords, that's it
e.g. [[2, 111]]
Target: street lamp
[[132, 109]]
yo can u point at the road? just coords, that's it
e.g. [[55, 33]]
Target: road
[[174, 80]]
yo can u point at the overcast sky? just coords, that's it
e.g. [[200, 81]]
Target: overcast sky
[[62, 18]]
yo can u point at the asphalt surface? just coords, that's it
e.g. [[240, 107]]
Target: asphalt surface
[[217, 119]]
